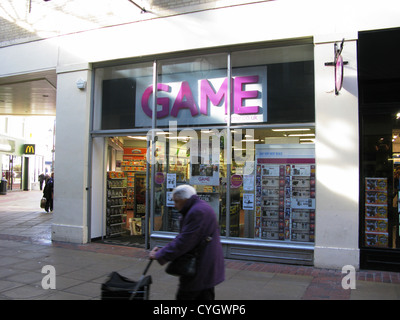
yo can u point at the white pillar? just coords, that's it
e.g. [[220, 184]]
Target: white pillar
[[337, 158], [71, 164]]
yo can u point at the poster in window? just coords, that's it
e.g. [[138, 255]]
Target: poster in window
[[376, 212], [170, 202], [204, 174], [248, 201], [171, 180]]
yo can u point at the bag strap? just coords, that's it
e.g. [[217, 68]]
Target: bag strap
[[201, 245]]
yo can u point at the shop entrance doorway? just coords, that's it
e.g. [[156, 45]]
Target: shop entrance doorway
[[125, 209]]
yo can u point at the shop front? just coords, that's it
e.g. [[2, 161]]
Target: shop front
[[12, 163], [379, 71], [238, 125]]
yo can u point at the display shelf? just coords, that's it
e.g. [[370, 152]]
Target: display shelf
[[286, 202], [116, 208]]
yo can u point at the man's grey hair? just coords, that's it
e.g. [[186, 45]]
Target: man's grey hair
[[183, 192]]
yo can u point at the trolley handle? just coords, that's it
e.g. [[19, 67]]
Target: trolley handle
[[140, 280], [147, 267]]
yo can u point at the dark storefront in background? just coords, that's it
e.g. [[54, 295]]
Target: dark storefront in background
[[379, 98]]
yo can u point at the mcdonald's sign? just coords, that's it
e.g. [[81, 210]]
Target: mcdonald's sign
[[29, 149]]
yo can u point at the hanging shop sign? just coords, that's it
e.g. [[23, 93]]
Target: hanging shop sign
[[194, 99], [338, 64], [338, 74]]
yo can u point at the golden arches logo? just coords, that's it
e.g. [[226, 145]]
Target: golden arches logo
[[29, 149]]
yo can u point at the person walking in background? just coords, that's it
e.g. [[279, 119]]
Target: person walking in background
[[48, 193], [198, 227], [41, 180]]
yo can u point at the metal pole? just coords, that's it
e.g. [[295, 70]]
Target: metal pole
[[150, 215], [228, 145]]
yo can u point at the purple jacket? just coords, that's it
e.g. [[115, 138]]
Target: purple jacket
[[198, 222]]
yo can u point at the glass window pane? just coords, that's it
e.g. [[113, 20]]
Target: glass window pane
[[274, 85], [380, 154], [192, 91], [120, 94], [273, 184], [188, 157]]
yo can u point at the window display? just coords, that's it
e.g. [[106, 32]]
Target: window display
[[376, 222], [285, 193], [134, 167]]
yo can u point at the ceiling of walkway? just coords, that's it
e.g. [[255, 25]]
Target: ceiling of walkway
[[29, 94]]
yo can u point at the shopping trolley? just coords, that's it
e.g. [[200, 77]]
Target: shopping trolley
[[118, 287]]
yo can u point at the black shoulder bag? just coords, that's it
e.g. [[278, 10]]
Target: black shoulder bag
[[186, 264]]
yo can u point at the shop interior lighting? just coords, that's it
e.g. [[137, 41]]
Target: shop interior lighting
[[181, 139], [301, 135], [307, 140], [291, 129]]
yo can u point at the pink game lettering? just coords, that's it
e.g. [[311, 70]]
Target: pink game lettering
[[185, 99]]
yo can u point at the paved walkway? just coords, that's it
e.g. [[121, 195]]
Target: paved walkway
[[26, 247]]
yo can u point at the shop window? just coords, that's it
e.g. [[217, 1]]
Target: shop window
[[193, 91], [271, 183], [117, 98], [379, 67], [273, 189], [287, 78], [273, 85], [12, 171], [379, 71], [380, 181], [261, 186], [194, 157]]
